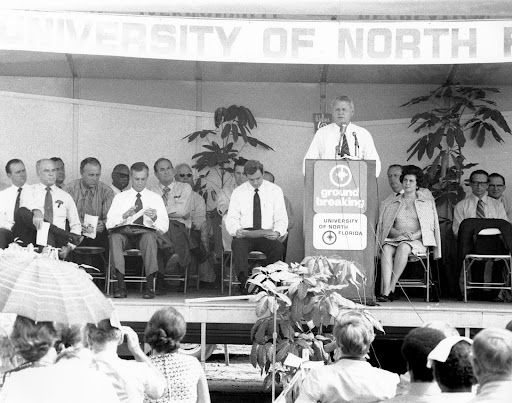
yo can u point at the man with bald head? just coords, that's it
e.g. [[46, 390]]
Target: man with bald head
[[45, 202], [10, 199]]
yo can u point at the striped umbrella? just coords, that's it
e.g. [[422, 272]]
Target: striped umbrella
[[45, 289]]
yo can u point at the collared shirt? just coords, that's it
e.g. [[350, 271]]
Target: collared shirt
[[64, 207], [493, 392], [224, 198], [419, 392], [178, 201], [125, 200], [508, 206], [467, 209], [7, 202], [273, 208], [102, 196], [327, 138], [117, 191]]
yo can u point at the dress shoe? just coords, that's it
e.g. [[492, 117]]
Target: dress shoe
[[383, 298], [148, 294], [121, 293], [242, 277]]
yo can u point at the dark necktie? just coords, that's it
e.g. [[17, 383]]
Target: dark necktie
[[344, 146], [256, 212], [138, 207], [88, 202], [165, 195], [48, 205], [480, 213], [17, 203]]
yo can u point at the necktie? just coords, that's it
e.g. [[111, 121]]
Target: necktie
[[165, 195], [344, 146], [88, 202], [48, 205], [17, 203], [138, 207], [256, 212], [480, 213]]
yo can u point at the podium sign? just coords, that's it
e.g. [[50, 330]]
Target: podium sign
[[340, 215]]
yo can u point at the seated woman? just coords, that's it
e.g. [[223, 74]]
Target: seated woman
[[351, 379], [186, 380], [408, 224]]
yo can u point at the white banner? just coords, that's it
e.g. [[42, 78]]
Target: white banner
[[259, 41]]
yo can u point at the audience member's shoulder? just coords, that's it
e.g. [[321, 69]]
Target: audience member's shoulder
[[105, 188], [68, 187]]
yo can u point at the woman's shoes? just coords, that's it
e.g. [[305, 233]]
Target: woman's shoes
[[386, 298]]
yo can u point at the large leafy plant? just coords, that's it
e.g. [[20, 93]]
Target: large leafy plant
[[303, 300], [233, 125], [454, 112]]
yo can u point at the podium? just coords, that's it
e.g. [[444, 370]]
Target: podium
[[340, 212]]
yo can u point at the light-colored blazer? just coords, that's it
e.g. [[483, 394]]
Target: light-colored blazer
[[427, 215]]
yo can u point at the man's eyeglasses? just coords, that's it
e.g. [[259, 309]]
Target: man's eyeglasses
[[482, 184], [185, 175]]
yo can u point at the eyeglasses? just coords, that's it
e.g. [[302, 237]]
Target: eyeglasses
[[482, 184], [185, 175], [496, 186]]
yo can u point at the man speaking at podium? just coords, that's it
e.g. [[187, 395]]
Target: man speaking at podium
[[343, 139]]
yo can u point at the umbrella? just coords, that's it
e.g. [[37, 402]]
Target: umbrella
[[45, 289]]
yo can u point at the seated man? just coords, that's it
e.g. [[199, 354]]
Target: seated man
[[256, 219], [496, 189], [120, 178], [10, 200], [61, 171], [45, 202], [94, 198], [141, 233]]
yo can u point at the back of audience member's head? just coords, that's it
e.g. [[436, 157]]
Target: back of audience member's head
[[492, 355], [165, 330], [97, 336], [354, 334], [455, 374], [509, 326], [444, 327], [416, 347], [32, 340]]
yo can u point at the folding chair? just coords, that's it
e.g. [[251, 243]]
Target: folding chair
[[254, 256], [426, 280], [95, 251], [471, 258], [128, 278]]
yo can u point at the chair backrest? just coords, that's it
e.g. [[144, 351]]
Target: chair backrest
[[490, 231]]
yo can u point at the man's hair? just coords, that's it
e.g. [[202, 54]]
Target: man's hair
[[165, 330], [57, 159], [497, 175], [509, 326], [395, 166], [456, 372], [89, 160], [10, 162], [119, 166], [32, 340], [159, 160], [416, 347], [478, 172], [252, 166], [240, 162], [101, 333], [492, 353], [272, 178], [343, 98], [444, 327], [413, 170], [354, 334], [182, 164], [39, 162], [139, 167]]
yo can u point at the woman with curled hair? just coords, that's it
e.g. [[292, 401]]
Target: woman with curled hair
[[407, 224], [186, 380], [351, 378]]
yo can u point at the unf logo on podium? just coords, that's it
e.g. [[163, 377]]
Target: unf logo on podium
[[340, 175]]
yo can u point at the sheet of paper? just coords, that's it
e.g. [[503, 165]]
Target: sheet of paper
[[91, 225], [42, 234], [138, 214]]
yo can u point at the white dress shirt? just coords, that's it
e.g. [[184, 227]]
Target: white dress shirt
[[125, 200], [467, 209], [327, 138], [7, 203], [117, 191], [273, 208], [64, 207]]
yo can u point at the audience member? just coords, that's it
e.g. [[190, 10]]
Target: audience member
[[132, 379], [342, 138], [253, 227], [94, 198], [125, 232], [225, 197], [186, 380], [120, 178], [39, 380], [60, 170], [509, 326], [352, 378], [451, 363], [10, 199], [45, 202], [496, 189], [478, 204], [407, 224], [492, 365], [199, 231]]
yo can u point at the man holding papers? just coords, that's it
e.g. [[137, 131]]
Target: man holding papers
[[135, 220]]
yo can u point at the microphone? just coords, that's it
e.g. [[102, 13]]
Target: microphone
[[356, 144]]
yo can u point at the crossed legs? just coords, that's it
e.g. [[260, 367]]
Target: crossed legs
[[393, 262]]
